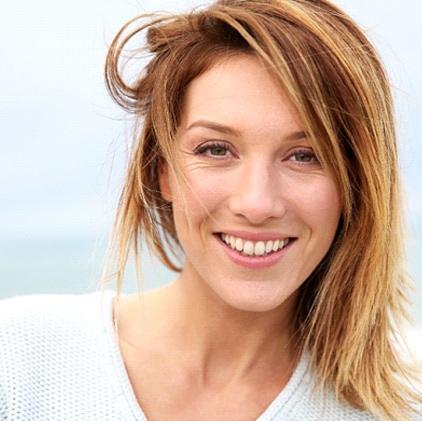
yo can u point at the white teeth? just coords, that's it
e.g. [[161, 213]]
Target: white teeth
[[260, 248], [248, 248], [232, 242]]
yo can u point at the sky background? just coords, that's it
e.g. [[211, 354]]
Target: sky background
[[63, 142]]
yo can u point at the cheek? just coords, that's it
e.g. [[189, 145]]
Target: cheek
[[319, 204], [198, 197], [326, 209]]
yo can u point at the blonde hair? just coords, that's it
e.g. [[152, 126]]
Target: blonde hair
[[351, 305]]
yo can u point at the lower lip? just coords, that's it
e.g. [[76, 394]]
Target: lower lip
[[256, 262]]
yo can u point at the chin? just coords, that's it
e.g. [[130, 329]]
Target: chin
[[258, 301]]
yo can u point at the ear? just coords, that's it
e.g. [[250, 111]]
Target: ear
[[164, 180]]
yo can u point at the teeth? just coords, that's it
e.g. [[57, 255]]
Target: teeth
[[231, 241], [269, 246], [250, 248], [259, 249]]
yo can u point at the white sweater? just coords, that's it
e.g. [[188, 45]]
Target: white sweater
[[60, 360]]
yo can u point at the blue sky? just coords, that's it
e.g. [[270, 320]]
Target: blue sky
[[63, 142]]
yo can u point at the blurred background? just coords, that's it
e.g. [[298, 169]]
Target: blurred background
[[64, 143]]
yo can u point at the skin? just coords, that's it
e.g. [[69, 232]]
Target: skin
[[218, 340]]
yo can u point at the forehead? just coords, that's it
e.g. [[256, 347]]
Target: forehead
[[240, 92]]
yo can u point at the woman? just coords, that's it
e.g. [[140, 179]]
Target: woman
[[264, 152]]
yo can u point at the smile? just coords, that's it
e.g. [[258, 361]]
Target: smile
[[251, 248]]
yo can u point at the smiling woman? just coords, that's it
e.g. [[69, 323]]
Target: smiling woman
[[258, 125], [249, 173]]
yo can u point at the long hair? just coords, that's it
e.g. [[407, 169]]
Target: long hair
[[350, 306]]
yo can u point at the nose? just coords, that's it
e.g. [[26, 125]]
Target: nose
[[258, 193]]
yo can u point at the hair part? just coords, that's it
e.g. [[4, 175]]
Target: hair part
[[350, 306]]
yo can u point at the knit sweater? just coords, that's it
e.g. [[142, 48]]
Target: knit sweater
[[60, 360]]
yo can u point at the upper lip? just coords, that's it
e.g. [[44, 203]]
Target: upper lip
[[257, 236]]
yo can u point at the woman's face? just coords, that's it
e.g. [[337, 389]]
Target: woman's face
[[256, 212]]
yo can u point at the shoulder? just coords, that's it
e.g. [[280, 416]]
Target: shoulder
[[48, 336], [304, 399], [30, 324], [42, 304], [312, 401], [55, 357], [46, 311]]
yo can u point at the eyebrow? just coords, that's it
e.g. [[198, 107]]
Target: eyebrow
[[300, 134], [217, 127], [221, 128]]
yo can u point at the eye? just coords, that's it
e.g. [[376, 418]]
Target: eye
[[213, 149], [218, 151], [305, 157]]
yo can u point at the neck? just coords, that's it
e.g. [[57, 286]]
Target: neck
[[204, 331]]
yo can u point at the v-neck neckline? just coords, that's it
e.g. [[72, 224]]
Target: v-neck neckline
[[282, 405]]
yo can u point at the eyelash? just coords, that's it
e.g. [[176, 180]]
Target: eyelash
[[307, 153], [204, 150]]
